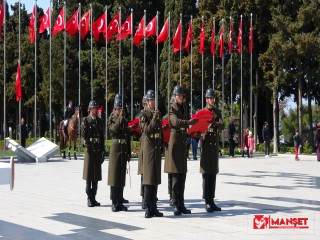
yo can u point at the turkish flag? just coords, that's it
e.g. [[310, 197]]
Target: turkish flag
[[72, 25], [177, 38], [189, 38], [18, 84], [240, 38], [138, 36], [31, 25], [1, 17], [164, 32], [166, 129], [203, 116], [134, 127], [230, 38], [212, 47], [85, 25], [202, 38], [99, 26], [45, 21], [250, 38], [113, 27], [126, 28], [59, 23], [221, 42], [151, 29]]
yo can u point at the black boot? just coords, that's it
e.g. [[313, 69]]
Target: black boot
[[156, 211], [75, 156], [176, 211], [183, 209], [149, 212], [143, 204], [214, 206], [121, 207], [125, 200], [94, 201], [89, 202], [208, 208], [114, 206]]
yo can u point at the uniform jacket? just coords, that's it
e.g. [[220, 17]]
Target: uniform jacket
[[176, 160], [93, 142], [209, 160], [119, 151], [150, 123]]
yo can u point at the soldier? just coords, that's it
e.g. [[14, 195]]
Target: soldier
[[68, 113], [93, 142], [209, 159], [176, 162], [165, 117], [119, 155], [150, 123], [144, 105]]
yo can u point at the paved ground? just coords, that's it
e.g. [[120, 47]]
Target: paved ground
[[49, 202]]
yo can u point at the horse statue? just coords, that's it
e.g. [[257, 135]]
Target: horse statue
[[66, 140]]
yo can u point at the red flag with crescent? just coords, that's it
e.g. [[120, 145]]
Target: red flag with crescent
[[202, 39], [18, 84], [31, 25], [177, 38], [99, 26], [113, 27], [45, 21], [164, 32], [189, 37], [72, 25], [84, 25], [151, 27], [59, 23], [126, 29], [138, 36]]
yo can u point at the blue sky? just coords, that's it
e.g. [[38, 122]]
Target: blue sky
[[44, 4]]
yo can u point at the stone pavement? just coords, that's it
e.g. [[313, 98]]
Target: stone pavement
[[49, 202]]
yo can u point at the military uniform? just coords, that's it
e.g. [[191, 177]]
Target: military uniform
[[140, 160], [150, 123], [209, 159], [165, 117], [119, 156], [93, 142], [176, 161]]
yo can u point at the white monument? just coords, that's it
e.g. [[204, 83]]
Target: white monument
[[40, 151], [7, 173]]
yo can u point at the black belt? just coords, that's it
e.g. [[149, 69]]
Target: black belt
[[183, 130], [94, 140]]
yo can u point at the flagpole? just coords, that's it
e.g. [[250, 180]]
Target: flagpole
[[181, 49], [20, 67], [4, 72], [231, 100], [35, 71], [222, 83], [119, 27], [169, 39], [157, 63], [106, 82], [202, 71], [251, 78], [241, 87], [144, 52], [191, 95], [91, 60], [214, 30], [131, 70], [64, 56], [79, 84], [50, 74]]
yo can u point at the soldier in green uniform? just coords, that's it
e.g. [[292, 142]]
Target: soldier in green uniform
[[150, 123], [176, 162], [119, 155], [209, 161], [165, 117], [140, 172], [93, 142]]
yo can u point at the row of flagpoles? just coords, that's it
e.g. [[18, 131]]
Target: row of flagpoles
[[83, 25]]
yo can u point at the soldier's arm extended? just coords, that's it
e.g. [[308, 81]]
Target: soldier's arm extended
[[177, 122], [114, 124]]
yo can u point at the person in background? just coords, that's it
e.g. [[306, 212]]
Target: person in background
[[317, 142], [245, 146], [24, 133], [251, 144], [188, 145], [266, 136], [194, 142], [297, 144], [231, 133]]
